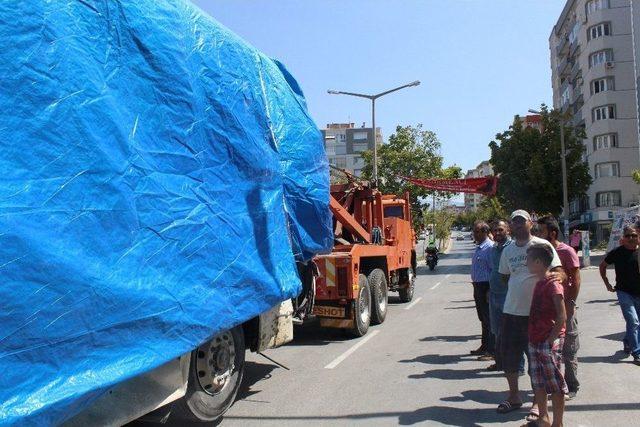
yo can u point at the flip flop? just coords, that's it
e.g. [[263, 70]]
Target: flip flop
[[533, 415], [506, 407]]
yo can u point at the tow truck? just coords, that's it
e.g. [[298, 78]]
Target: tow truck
[[374, 254]]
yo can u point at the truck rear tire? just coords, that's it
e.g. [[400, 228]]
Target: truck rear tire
[[379, 295], [406, 294], [362, 308], [215, 375]]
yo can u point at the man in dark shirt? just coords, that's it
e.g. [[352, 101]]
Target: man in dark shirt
[[625, 260]]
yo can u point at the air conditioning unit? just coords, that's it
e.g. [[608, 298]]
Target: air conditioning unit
[[609, 65]]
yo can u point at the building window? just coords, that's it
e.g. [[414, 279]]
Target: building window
[[600, 30], [566, 96], [359, 148], [593, 5], [604, 142], [601, 85], [603, 113], [607, 169], [608, 199], [341, 137], [360, 135], [600, 57]]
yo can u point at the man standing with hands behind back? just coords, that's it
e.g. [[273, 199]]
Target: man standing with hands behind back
[[480, 274]]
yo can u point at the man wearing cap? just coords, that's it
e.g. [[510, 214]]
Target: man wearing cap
[[515, 322]]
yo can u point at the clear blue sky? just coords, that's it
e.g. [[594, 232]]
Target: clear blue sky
[[480, 62]]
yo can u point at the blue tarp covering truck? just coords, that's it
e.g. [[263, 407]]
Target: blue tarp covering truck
[[159, 180]]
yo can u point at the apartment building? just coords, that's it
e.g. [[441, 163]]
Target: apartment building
[[532, 121], [594, 76], [344, 144], [472, 201]]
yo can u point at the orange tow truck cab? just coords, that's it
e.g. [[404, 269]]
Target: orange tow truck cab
[[374, 253]]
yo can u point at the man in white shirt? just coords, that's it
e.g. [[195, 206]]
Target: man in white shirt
[[515, 321]]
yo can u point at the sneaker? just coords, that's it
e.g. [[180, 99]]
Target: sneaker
[[571, 395], [485, 358], [492, 368], [636, 359]]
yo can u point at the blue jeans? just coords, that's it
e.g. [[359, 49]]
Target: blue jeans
[[630, 306], [496, 303]]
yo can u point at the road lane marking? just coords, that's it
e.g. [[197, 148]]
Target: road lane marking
[[349, 352], [447, 276], [417, 300], [435, 286]]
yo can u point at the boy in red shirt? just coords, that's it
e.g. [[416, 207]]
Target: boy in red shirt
[[546, 336]]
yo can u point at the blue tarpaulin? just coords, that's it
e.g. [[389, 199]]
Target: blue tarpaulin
[[158, 176]]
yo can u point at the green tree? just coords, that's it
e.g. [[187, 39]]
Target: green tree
[[528, 162], [490, 209], [412, 152]]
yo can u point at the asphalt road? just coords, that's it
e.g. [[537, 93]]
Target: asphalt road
[[416, 368]]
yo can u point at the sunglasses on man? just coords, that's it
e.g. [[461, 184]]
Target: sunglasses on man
[[631, 236]]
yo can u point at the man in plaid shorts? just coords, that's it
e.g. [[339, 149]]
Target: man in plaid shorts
[[546, 336]]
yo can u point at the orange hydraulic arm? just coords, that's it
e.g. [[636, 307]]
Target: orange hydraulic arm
[[348, 221]]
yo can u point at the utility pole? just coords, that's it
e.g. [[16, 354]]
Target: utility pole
[[565, 191], [373, 119]]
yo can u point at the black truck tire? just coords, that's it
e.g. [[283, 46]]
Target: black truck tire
[[379, 295], [406, 294], [207, 400], [362, 308]]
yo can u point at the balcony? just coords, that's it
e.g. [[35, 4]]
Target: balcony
[[574, 49], [561, 49], [578, 98], [576, 71], [563, 67]]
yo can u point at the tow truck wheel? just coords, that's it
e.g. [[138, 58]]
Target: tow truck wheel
[[379, 295], [362, 307], [215, 375], [406, 294]]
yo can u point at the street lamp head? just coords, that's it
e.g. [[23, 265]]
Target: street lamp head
[[416, 83], [534, 111], [333, 92]]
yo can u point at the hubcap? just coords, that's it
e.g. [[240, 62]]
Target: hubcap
[[215, 363], [364, 304], [382, 300]]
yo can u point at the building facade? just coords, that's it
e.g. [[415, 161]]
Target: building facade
[[594, 77], [532, 121], [344, 144], [472, 201]]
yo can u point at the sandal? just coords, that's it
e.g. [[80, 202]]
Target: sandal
[[506, 407], [533, 415]]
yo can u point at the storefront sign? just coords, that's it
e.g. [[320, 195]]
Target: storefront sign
[[621, 219]]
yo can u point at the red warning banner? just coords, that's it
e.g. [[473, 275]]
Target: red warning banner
[[487, 185]]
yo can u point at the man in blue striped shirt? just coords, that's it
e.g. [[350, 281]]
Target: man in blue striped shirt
[[480, 274]]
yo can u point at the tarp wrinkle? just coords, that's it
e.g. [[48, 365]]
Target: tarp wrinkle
[[160, 179]]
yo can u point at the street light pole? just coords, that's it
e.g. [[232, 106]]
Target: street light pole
[[563, 165], [375, 142], [373, 118]]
